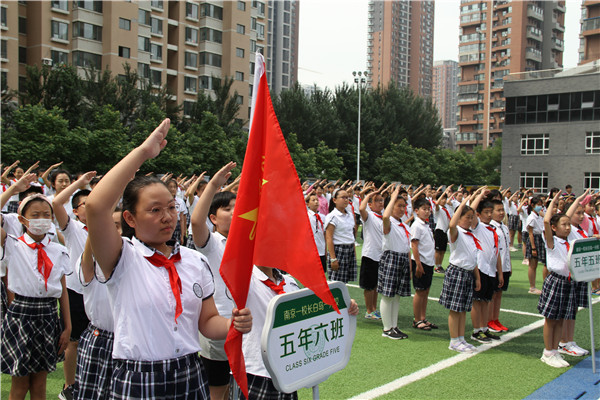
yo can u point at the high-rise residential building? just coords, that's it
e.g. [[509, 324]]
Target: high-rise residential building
[[589, 45], [498, 38], [400, 44], [445, 91], [184, 45], [282, 44]]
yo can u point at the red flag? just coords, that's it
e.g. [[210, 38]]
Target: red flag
[[270, 226]]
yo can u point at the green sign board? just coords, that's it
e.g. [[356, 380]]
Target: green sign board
[[584, 259]]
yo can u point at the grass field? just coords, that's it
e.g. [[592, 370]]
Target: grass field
[[512, 370]]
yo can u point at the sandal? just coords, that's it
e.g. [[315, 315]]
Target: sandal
[[430, 324], [421, 325]]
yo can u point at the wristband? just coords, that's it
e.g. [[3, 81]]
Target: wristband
[[333, 259]]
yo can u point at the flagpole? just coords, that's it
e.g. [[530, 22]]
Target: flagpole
[[359, 81]]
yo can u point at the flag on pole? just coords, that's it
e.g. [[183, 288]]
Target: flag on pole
[[270, 225]]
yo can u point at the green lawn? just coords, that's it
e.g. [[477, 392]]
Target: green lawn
[[510, 371]]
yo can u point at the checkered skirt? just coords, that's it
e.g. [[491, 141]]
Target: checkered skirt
[[94, 364], [558, 299], [581, 294], [514, 223], [261, 388], [394, 274], [177, 378], [457, 292], [30, 334], [540, 246], [346, 256]]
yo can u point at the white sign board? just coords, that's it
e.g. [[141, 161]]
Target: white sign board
[[305, 340], [584, 259]]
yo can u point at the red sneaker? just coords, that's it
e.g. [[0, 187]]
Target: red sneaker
[[492, 326], [500, 326]]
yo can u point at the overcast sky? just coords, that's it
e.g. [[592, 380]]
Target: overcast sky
[[333, 38]]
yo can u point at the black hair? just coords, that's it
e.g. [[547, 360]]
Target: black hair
[[556, 217], [388, 199], [568, 187], [420, 202], [465, 210], [30, 190], [309, 196], [439, 195], [335, 195], [221, 200], [493, 193], [30, 202], [533, 202], [77, 195], [56, 173], [485, 204], [94, 181], [496, 202], [131, 198]]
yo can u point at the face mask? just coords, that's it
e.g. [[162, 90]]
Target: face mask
[[537, 209], [39, 226], [41, 180]]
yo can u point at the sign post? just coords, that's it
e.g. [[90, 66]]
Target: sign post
[[584, 264], [305, 340]]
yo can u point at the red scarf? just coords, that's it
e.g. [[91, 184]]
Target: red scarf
[[405, 230], [320, 220], [278, 289], [378, 215], [158, 260], [594, 227], [581, 232], [477, 243], [44, 264], [568, 248], [493, 230], [447, 213]]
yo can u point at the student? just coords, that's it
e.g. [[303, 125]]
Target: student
[[423, 251], [60, 179], [510, 206], [32, 338], [339, 236], [523, 236], [535, 248], [489, 265], [443, 215], [318, 226], [192, 195], [462, 276], [182, 215], [394, 268], [504, 250], [162, 293], [218, 208], [557, 301], [370, 214]]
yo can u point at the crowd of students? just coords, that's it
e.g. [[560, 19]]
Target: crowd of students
[[134, 263]]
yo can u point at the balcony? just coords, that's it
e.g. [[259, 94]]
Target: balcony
[[589, 25], [559, 27], [533, 54], [535, 12], [534, 33], [559, 7], [558, 44]]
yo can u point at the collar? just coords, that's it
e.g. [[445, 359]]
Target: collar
[[310, 212], [218, 235], [496, 224], [147, 251], [338, 212], [261, 276], [45, 241], [560, 240], [419, 220]]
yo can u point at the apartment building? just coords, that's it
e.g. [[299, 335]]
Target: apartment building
[[400, 44], [184, 45], [445, 91], [498, 38], [589, 38]]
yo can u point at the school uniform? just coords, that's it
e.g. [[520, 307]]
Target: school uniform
[[394, 266], [440, 234], [317, 224], [371, 250], [432, 219], [178, 232], [593, 227], [155, 351], [513, 215], [537, 223], [504, 249], [13, 203], [31, 328], [421, 232], [457, 291], [343, 244], [487, 260], [12, 226], [581, 288], [559, 298], [522, 221]]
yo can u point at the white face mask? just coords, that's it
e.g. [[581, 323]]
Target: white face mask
[[39, 226]]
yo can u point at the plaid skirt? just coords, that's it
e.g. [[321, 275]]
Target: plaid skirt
[[177, 378], [540, 246], [431, 222], [346, 256], [94, 364], [558, 299], [3, 300], [260, 388], [581, 294], [394, 274], [457, 292], [30, 334], [514, 223]]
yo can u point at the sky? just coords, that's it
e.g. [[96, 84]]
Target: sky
[[333, 38]]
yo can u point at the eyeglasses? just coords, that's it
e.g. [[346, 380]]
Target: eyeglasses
[[171, 209], [343, 197], [79, 205]]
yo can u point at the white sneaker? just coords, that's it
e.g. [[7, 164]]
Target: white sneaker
[[525, 262], [462, 347], [512, 248], [560, 358], [469, 346], [584, 351], [571, 350], [553, 361]]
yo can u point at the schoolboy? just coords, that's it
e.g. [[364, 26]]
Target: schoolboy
[[372, 250], [502, 230], [442, 215]]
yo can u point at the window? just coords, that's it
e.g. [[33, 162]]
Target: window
[[211, 35], [253, 23], [3, 17], [155, 52], [241, 29], [591, 180], [208, 82], [87, 60], [239, 52], [156, 4], [144, 17], [23, 55], [155, 77], [207, 58], [3, 82], [239, 76], [190, 84], [60, 30], [124, 52], [592, 142], [23, 25], [188, 107], [535, 180], [191, 10], [60, 5], [252, 68], [239, 99], [143, 70], [191, 35], [535, 144], [125, 24], [260, 28], [3, 49], [143, 44], [59, 57], [252, 46], [191, 59], [156, 26], [241, 5], [210, 10], [88, 31], [90, 5]]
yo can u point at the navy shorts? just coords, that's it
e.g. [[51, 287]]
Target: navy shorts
[[441, 239], [369, 271], [488, 284], [424, 282]]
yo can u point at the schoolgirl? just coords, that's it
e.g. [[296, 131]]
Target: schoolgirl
[[535, 248], [192, 195], [442, 213], [339, 236], [523, 235], [161, 293], [32, 338], [60, 180], [462, 276], [394, 266], [180, 232], [557, 301], [514, 222]]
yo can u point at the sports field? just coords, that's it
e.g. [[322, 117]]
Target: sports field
[[422, 367]]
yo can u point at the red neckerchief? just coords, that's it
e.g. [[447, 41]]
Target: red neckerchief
[[493, 230], [352, 205], [85, 227], [158, 260], [278, 289], [378, 215], [320, 220], [581, 232], [447, 213], [594, 227], [568, 247], [405, 230], [44, 264], [477, 243]]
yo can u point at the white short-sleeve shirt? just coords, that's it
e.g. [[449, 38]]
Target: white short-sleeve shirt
[[503, 245], [75, 238], [23, 275], [442, 220], [144, 304], [96, 301], [536, 222], [463, 252], [576, 234], [344, 226], [421, 231], [488, 258], [556, 258], [373, 236], [318, 230], [397, 240]]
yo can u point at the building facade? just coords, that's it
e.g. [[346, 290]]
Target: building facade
[[552, 132], [183, 45], [498, 38], [589, 38], [445, 91], [400, 44]]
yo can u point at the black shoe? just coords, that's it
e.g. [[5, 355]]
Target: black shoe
[[399, 332], [490, 335], [67, 393], [481, 337], [392, 334], [439, 270]]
